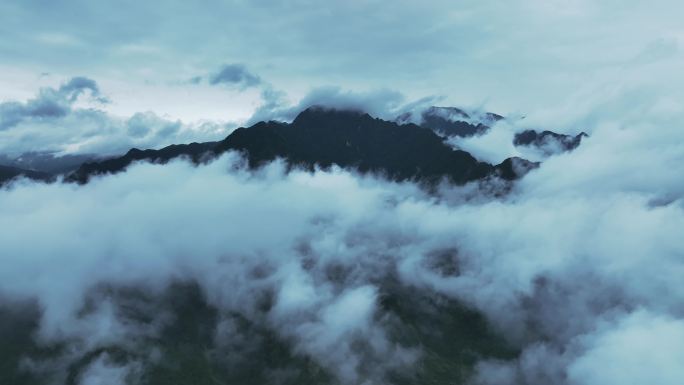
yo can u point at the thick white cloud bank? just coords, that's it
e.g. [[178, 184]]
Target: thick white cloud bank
[[579, 267]]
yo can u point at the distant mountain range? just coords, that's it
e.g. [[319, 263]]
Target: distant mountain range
[[48, 162], [8, 173], [44, 166], [322, 137]]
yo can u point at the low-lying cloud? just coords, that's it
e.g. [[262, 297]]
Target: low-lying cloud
[[577, 271]]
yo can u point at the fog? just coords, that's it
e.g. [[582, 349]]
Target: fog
[[578, 269]]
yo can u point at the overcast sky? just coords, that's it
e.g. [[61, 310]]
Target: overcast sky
[[521, 56]]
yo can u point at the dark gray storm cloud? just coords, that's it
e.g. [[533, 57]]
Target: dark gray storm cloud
[[232, 76], [49, 103], [236, 75], [77, 86]]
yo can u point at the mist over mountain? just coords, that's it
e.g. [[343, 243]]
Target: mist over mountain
[[310, 253], [452, 121], [177, 330], [41, 166], [48, 162], [8, 173], [341, 193]]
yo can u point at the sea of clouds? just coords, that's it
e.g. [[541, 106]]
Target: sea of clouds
[[579, 267]]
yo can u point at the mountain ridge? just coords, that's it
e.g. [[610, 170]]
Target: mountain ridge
[[322, 137], [7, 173]]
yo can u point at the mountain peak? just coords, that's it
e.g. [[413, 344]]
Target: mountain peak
[[320, 114]]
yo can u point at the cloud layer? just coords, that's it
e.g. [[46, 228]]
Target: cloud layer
[[569, 269]]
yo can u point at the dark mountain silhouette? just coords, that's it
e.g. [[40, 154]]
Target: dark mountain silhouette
[[325, 137], [548, 141], [8, 173]]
